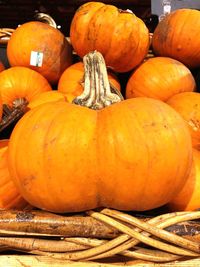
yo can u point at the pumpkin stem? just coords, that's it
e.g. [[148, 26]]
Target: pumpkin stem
[[14, 113], [43, 17], [97, 93]]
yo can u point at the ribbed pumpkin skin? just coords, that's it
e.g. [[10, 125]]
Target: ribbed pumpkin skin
[[40, 37], [160, 78], [9, 195], [45, 97], [177, 36], [121, 37], [1, 108], [71, 81], [188, 198], [188, 106], [134, 155], [21, 82]]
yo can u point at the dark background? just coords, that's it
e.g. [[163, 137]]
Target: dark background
[[13, 13]]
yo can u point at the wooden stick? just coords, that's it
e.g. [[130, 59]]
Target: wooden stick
[[39, 223], [30, 244]]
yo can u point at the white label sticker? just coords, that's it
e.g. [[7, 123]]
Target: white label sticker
[[36, 59], [167, 9]]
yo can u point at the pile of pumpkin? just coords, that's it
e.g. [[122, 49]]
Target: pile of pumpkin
[[80, 145]]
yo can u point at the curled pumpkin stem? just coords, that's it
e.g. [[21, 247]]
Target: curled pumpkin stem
[[46, 18], [97, 93]]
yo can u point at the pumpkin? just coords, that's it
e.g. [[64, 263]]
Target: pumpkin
[[17, 83], [160, 78], [120, 36], [1, 108], [71, 82], [9, 195], [45, 97], [188, 198], [1, 66], [188, 106], [177, 36], [41, 47], [100, 151]]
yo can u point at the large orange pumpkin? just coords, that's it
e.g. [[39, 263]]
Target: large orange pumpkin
[[21, 83], [1, 108], [188, 106], [160, 78], [41, 47], [188, 198], [132, 155], [177, 36], [71, 82], [121, 37], [9, 195]]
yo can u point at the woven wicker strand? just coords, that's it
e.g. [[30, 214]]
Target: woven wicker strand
[[126, 243], [172, 252], [166, 246], [153, 230], [5, 34]]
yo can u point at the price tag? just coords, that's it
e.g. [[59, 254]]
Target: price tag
[[36, 59]]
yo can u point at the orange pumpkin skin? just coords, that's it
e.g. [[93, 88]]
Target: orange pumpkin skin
[[72, 158], [1, 66], [9, 195], [71, 81], [188, 106], [21, 82], [177, 36], [1, 108], [45, 97], [43, 38], [120, 36], [160, 78], [188, 198]]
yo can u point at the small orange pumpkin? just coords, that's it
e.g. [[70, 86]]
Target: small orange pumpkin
[[41, 47], [21, 83], [160, 78], [177, 36], [132, 155], [9, 195], [188, 106], [119, 35], [71, 82], [45, 97], [188, 198]]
